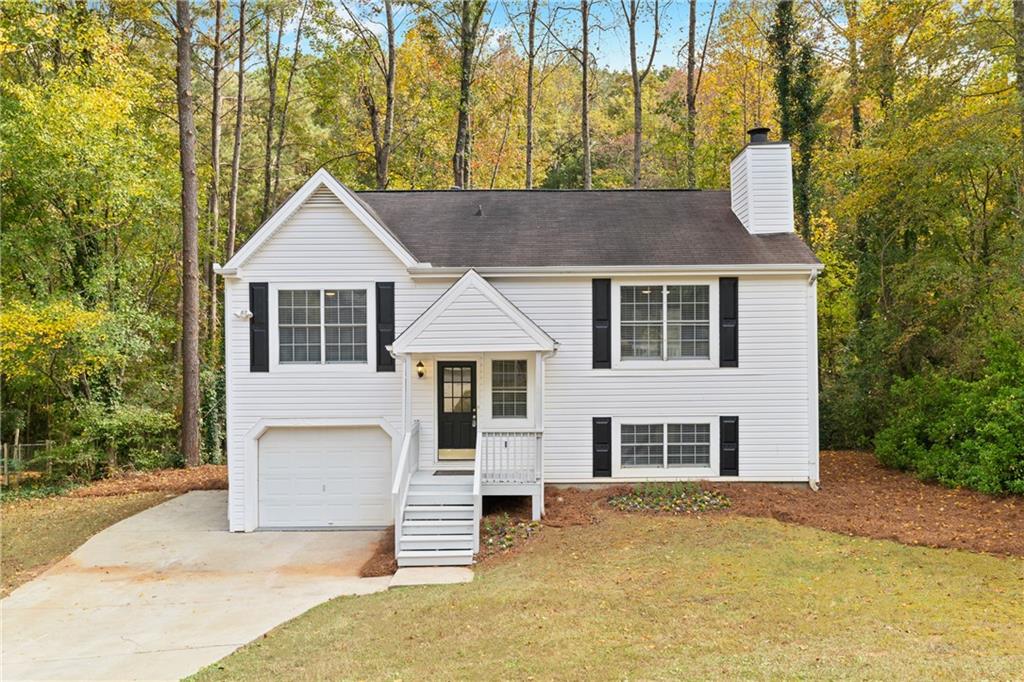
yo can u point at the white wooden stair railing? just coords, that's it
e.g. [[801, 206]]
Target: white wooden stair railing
[[408, 464], [478, 499]]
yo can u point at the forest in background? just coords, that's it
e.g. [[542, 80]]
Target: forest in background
[[905, 120]]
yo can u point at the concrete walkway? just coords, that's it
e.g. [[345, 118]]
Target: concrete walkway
[[168, 591]]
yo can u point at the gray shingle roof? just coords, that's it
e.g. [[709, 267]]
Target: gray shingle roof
[[519, 228]]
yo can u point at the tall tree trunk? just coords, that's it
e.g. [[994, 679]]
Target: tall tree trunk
[[632, 14], [384, 155], [691, 99], [296, 51], [272, 57], [585, 93], [1018, 37], [386, 63], [236, 152], [211, 282], [531, 60], [470, 14], [853, 83], [189, 240]]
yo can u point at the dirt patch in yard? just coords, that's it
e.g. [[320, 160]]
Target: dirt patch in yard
[[206, 477], [858, 496]]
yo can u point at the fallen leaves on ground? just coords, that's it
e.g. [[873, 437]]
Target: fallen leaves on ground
[[205, 477]]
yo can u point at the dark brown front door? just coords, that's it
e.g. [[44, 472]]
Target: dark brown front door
[[456, 410]]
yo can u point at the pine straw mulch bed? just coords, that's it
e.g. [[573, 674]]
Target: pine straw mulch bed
[[858, 496], [178, 481]]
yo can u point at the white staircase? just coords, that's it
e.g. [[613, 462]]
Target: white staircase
[[438, 526]]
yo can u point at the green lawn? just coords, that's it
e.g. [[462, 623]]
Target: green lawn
[[643, 597], [37, 533]]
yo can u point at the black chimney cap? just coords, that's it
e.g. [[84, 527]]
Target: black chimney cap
[[758, 135]]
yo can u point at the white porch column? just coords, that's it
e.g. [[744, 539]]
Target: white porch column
[[407, 373]]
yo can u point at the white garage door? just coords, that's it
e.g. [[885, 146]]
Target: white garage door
[[324, 477]]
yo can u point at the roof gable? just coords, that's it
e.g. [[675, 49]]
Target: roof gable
[[472, 316], [324, 179]]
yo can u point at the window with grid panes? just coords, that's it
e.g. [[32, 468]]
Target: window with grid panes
[[316, 326], [665, 445], [665, 322], [508, 388]]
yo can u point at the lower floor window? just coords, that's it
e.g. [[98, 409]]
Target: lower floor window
[[665, 445]]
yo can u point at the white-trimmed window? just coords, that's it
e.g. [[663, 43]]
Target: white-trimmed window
[[646, 446], [321, 325], [509, 381], [665, 322]]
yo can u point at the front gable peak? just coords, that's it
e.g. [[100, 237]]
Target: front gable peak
[[320, 181], [472, 316]]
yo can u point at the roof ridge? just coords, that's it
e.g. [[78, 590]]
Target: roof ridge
[[624, 190]]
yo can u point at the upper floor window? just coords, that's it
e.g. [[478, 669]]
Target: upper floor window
[[508, 388], [317, 326], [665, 322]]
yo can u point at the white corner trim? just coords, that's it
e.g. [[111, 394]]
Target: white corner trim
[[252, 449], [472, 279], [321, 177]]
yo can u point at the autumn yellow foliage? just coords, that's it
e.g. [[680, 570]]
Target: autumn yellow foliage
[[58, 340]]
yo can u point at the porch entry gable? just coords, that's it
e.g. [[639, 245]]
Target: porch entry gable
[[472, 316]]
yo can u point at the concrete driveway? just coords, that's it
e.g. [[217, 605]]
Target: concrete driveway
[[168, 591]]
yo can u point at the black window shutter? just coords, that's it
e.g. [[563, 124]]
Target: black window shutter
[[729, 446], [259, 327], [385, 325], [602, 446], [602, 332], [728, 322]]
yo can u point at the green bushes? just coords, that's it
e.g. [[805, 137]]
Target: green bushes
[[106, 439], [961, 433]]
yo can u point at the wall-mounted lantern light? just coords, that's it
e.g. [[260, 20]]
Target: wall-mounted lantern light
[[420, 369]]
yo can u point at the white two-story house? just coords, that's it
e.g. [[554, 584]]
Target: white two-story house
[[393, 356]]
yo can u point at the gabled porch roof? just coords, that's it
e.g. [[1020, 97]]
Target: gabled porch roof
[[472, 316]]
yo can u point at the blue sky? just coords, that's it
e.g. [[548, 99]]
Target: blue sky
[[610, 44]]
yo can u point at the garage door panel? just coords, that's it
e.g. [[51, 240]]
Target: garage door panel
[[324, 477]]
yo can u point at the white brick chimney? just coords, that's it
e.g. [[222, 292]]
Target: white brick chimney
[[761, 184]]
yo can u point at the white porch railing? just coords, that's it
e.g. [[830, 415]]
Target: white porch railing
[[408, 464], [478, 498], [510, 457]]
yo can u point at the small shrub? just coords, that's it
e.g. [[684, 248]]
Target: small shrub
[[675, 497], [137, 436], [502, 532], [36, 488]]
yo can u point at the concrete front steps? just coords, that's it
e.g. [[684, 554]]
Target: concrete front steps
[[437, 522]]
